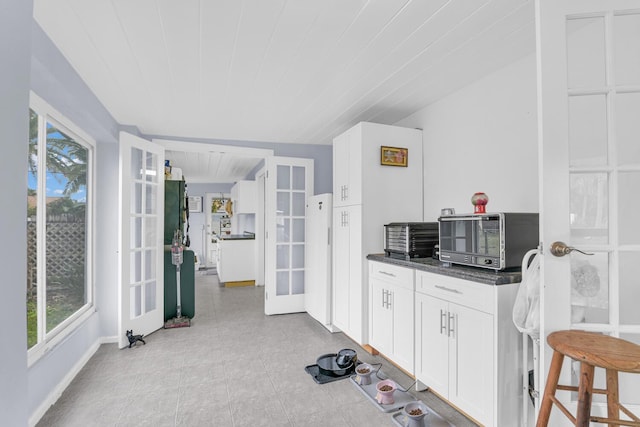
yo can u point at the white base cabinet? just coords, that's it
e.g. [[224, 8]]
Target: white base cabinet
[[391, 306], [236, 260], [466, 347]]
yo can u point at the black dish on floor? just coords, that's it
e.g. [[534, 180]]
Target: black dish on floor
[[320, 378], [337, 365]]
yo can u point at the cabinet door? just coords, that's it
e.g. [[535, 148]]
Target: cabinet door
[[432, 343], [471, 371], [358, 287], [219, 270], [245, 197], [347, 168], [354, 169], [341, 266], [381, 328], [402, 306], [340, 169]]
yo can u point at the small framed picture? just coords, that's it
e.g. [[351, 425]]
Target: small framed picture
[[195, 203], [394, 156]]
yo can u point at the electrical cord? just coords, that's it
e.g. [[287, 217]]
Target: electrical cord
[[379, 365]]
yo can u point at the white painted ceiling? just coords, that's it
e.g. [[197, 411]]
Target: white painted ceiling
[[212, 163], [214, 167], [298, 71]]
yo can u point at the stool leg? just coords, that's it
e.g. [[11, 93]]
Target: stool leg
[[550, 389], [613, 402], [585, 394]]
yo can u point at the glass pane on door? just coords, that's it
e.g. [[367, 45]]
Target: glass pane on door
[[589, 204], [590, 288], [150, 296], [284, 177], [587, 130], [626, 111], [629, 288], [628, 186], [136, 163], [282, 283], [136, 301], [586, 52], [626, 55]]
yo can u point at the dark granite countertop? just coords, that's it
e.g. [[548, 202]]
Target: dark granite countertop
[[237, 237], [475, 274]]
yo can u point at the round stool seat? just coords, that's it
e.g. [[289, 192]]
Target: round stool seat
[[599, 350]]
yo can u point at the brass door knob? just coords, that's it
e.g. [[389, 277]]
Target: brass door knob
[[561, 249]]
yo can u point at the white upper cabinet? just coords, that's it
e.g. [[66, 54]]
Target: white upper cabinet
[[245, 197], [347, 154]]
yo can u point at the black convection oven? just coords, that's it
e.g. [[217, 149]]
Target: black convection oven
[[408, 240]]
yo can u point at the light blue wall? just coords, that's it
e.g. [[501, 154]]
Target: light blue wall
[[15, 37], [106, 267]]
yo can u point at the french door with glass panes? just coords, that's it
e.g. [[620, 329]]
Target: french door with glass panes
[[141, 290], [589, 113], [288, 183]]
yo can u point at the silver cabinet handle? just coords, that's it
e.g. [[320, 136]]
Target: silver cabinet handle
[[346, 192], [386, 273], [384, 297], [344, 218], [443, 316], [561, 249], [451, 323], [444, 288]]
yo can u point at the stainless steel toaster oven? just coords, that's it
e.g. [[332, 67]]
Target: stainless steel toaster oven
[[407, 240], [493, 240]]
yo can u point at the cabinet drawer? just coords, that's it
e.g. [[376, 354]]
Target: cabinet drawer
[[464, 292], [399, 276]]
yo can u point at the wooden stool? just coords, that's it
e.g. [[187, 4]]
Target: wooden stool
[[591, 350]]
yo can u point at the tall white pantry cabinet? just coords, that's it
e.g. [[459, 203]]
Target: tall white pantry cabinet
[[367, 195]]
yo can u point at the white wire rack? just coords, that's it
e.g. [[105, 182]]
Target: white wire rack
[[530, 363]]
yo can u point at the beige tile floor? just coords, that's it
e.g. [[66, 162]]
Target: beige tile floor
[[233, 367]]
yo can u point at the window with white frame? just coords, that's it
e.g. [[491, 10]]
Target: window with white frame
[[59, 218]]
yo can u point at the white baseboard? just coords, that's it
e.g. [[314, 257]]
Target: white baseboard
[[55, 394], [109, 340]]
